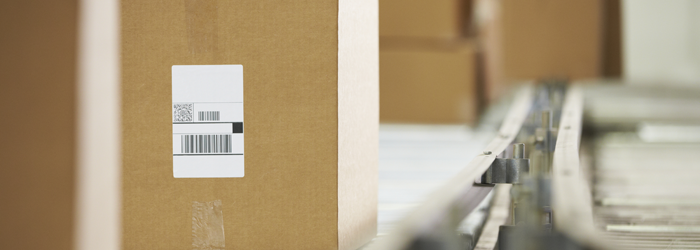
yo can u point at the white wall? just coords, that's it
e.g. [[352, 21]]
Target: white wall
[[661, 40]]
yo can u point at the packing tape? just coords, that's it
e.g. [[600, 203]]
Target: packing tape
[[207, 226]]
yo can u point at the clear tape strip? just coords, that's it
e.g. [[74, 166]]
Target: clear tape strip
[[207, 225]]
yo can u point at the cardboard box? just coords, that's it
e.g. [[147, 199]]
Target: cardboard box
[[544, 39], [535, 39], [612, 39], [428, 81], [38, 153], [445, 19], [310, 91]]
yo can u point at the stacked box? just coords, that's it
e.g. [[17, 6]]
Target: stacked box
[[428, 63], [534, 39], [428, 82]]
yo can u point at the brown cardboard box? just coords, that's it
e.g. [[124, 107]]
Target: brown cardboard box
[[446, 19], [552, 38], [612, 39], [427, 81], [311, 123], [60, 87], [539, 39], [37, 96]]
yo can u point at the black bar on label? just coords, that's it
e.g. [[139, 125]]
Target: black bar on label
[[237, 127]]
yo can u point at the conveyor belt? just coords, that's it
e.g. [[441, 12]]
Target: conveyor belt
[[435, 220], [633, 184]]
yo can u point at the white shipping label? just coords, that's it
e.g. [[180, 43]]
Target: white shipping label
[[207, 121]]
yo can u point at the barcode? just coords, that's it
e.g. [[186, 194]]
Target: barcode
[[206, 144], [208, 115]]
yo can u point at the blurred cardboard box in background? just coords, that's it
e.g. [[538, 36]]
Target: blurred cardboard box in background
[[428, 62], [428, 81], [535, 39], [444, 19], [543, 38], [37, 92], [513, 41]]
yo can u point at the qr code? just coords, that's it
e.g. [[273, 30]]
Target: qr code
[[182, 112]]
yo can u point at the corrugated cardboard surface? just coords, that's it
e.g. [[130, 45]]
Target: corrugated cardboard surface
[[289, 52], [422, 18], [543, 38], [37, 96], [427, 82], [358, 121]]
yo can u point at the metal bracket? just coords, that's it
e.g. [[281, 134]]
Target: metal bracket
[[545, 141], [508, 170]]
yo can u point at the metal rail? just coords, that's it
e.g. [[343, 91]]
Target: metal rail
[[571, 196], [433, 224], [552, 207]]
